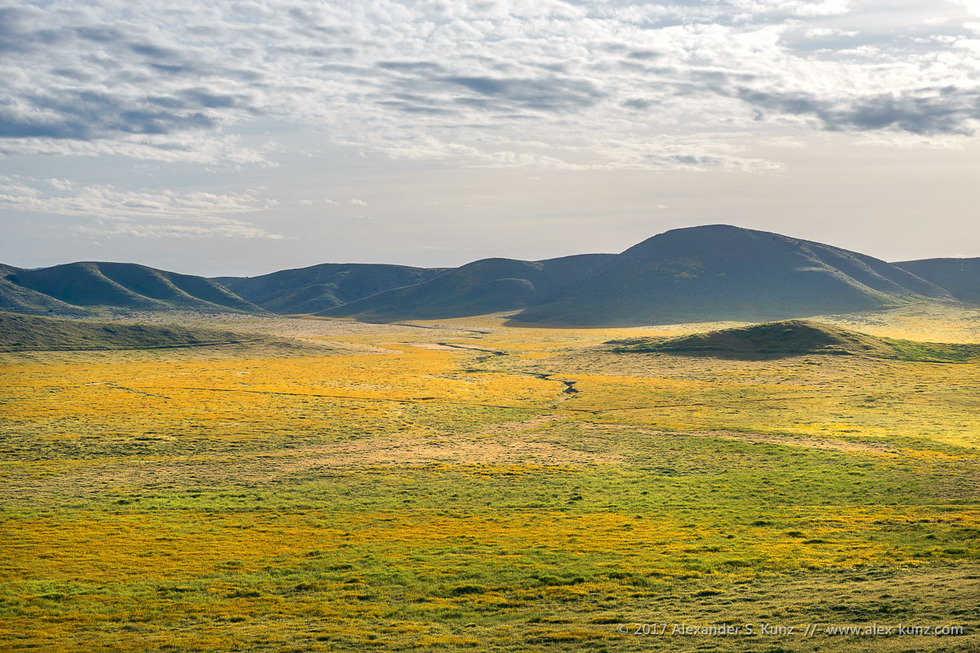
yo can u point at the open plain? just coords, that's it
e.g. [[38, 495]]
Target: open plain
[[464, 485]]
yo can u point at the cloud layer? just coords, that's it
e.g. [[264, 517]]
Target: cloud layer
[[110, 211], [611, 84]]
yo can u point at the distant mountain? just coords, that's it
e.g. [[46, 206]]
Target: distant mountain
[[478, 288], [33, 333], [698, 274], [74, 287], [720, 272], [960, 276], [320, 287]]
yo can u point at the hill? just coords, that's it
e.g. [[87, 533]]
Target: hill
[[478, 288], [698, 274], [721, 272], [797, 338], [320, 287], [17, 299], [33, 333], [74, 287], [960, 276]]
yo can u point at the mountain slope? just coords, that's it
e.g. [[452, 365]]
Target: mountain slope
[[960, 276], [320, 287], [65, 288], [17, 299], [715, 272], [478, 288], [721, 272]]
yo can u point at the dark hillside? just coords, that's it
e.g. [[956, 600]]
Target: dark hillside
[[728, 273], [17, 299], [32, 333], [698, 274], [797, 338], [960, 276], [128, 286], [487, 286], [320, 287]]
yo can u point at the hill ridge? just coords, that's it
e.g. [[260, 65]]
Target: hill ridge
[[317, 288], [80, 287], [720, 272], [692, 274], [485, 286]]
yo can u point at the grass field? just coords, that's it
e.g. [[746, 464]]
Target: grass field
[[467, 486]]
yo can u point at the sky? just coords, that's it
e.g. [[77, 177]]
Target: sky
[[242, 137]]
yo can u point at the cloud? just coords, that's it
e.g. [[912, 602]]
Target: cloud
[[499, 83], [972, 6], [109, 210], [541, 94], [924, 112], [125, 228]]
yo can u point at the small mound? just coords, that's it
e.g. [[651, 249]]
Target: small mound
[[29, 333], [797, 338]]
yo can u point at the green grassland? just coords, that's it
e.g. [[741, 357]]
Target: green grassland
[[461, 485], [31, 333]]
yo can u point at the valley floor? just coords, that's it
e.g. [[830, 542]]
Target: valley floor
[[467, 486]]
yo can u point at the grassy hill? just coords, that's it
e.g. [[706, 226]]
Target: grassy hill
[[796, 338], [960, 276], [478, 288], [18, 299], [74, 287], [721, 272], [321, 287], [33, 333], [699, 274]]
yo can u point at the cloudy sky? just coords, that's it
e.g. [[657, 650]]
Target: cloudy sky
[[241, 137]]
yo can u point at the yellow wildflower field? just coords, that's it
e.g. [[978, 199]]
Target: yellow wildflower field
[[468, 486]]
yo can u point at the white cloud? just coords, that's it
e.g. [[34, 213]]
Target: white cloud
[[972, 6], [621, 83], [230, 229], [109, 210]]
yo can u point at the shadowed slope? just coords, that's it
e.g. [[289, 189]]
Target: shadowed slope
[[796, 338], [478, 288], [960, 276], [32, 333], [320, 287], [126, 285], [17, 299], [723, 273]]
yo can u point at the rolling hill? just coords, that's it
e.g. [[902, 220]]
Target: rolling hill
[[74, 287], [960, 276], [321, 287], [478, 288], [720, 272], [796, 338], [697, 274], [33, 333], [18, 299]]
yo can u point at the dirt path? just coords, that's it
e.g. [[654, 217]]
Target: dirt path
[[788, 440]]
